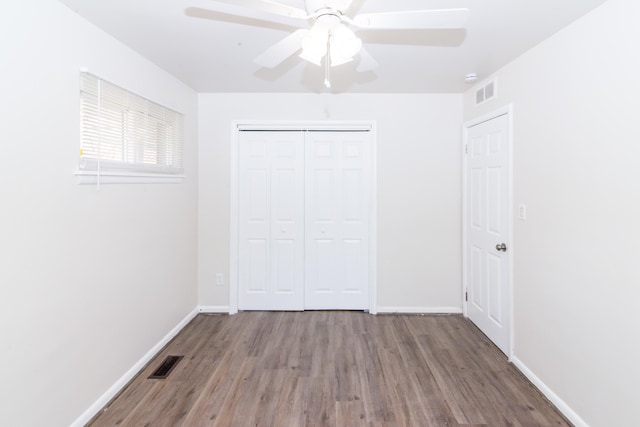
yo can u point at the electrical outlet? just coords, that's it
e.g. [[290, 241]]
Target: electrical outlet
[[219, 279]]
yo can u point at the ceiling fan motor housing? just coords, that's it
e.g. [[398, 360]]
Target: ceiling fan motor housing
[[314, 6]]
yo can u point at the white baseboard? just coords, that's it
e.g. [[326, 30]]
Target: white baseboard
[[214, 309], [562, 406], [135, 369], [421, 310]]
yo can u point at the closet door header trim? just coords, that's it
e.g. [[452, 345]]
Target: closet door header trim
[[305, 127]]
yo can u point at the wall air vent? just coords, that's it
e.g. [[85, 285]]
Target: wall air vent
[[486, 92]]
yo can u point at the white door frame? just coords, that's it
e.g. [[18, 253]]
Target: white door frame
[[236, 127], [508, 111]]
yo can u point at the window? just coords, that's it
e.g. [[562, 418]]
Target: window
[[126, 135]]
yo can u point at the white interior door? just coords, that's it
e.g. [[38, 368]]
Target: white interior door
[[337, 220], [487, 228], [271, 221]]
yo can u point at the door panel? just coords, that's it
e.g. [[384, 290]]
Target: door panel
[[322, 266], [487, 226], [337, 220], [271, 221], [257, 262], [322, 195], [494, 283], [476, 271], [354, 262], [284, 259]]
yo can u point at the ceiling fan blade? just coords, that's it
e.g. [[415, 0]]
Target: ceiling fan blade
[[414, 20], [367, 63], [280, 51], [269, 6], [254, 20], [354, 7]]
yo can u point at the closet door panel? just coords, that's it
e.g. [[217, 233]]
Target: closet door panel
[[271, 221], [337, 220]]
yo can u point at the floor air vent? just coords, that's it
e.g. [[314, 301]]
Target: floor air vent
[[165, 367]]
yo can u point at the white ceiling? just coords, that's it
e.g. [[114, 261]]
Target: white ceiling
[[201, 43]]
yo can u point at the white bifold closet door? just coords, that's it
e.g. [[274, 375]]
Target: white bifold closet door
[[304, 220], [337, 220], [271, 222]]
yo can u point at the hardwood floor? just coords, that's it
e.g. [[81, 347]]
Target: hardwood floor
[[333, 368]]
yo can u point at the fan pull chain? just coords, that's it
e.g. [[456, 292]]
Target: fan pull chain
[[327, 66], [327, 75]]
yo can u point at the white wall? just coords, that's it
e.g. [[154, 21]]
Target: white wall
[[576, 100], [419, 197], [89, 280]]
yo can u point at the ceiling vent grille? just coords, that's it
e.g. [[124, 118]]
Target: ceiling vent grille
[[487, 92]]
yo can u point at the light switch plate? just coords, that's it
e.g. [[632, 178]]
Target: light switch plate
[[522, 212]]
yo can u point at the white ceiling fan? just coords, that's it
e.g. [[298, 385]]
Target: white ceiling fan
[[330, 37]]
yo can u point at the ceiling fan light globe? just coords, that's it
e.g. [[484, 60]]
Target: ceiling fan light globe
[[343, 50], [316, 60], [350, 48], [315, 42], [335, 61], [345, 41], [342, 33]]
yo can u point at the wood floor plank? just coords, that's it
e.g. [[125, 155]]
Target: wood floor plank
[[350, 414], [335, 368], [235, 409], [320, 404], [377, 406], [267, 396], [291, 409]]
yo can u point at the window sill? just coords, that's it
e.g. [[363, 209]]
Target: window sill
[[122, 177]]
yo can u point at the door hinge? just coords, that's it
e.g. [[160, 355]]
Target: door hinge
[[466, 296], [466, 149]]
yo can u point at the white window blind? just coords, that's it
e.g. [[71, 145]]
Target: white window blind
[[124, 132]]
